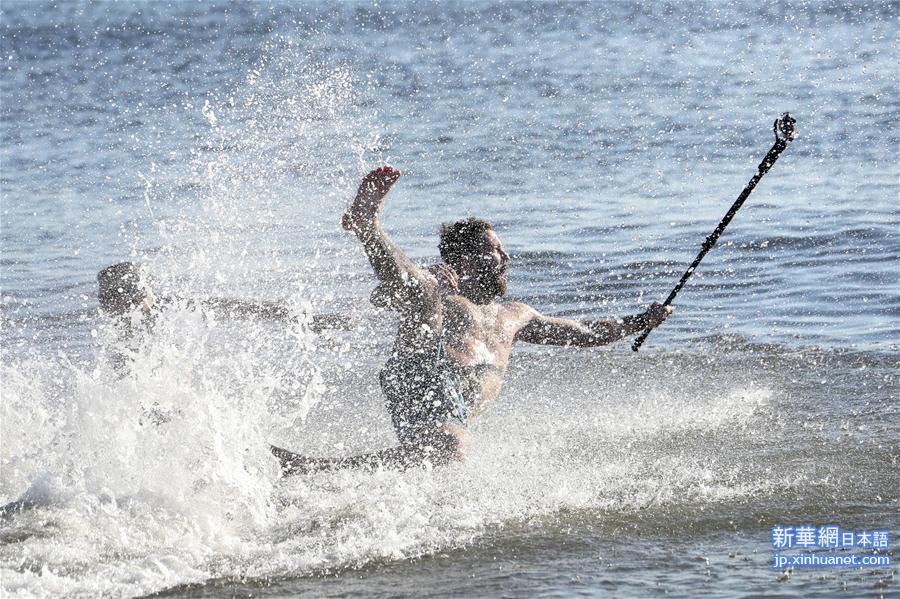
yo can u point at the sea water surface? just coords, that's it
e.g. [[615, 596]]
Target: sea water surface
[[218, 144]]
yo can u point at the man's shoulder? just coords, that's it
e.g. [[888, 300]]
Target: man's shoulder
[[519, 309]]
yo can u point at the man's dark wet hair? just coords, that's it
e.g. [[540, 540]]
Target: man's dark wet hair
[[121, 287], [462, 238]]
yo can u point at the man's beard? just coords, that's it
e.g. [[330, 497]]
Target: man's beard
[[492, 283]]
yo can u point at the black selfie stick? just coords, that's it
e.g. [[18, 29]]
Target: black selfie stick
[[784, 134]]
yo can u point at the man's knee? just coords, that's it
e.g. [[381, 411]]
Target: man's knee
[[451, 443], [457, 440]]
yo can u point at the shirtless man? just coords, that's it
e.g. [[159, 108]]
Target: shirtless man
[[452, 348]]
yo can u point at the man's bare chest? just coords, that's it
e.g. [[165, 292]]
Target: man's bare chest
[[478, 335]]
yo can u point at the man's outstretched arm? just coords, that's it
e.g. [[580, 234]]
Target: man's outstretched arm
[[400, 277], [551, 330]]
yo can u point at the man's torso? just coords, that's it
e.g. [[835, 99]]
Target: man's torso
[[477, 341]]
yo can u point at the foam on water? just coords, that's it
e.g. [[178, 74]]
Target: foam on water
[[163, 477], [163, 464]]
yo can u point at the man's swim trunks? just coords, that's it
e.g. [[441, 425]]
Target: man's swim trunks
[[421, 395]]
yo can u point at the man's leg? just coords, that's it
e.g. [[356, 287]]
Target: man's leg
[[294, 463], [446, 443]]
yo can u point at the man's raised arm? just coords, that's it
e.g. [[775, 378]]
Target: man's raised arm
[[400, 276], [550, 330]]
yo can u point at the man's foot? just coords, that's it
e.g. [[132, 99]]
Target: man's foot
[[369, 198], [292, 463]]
